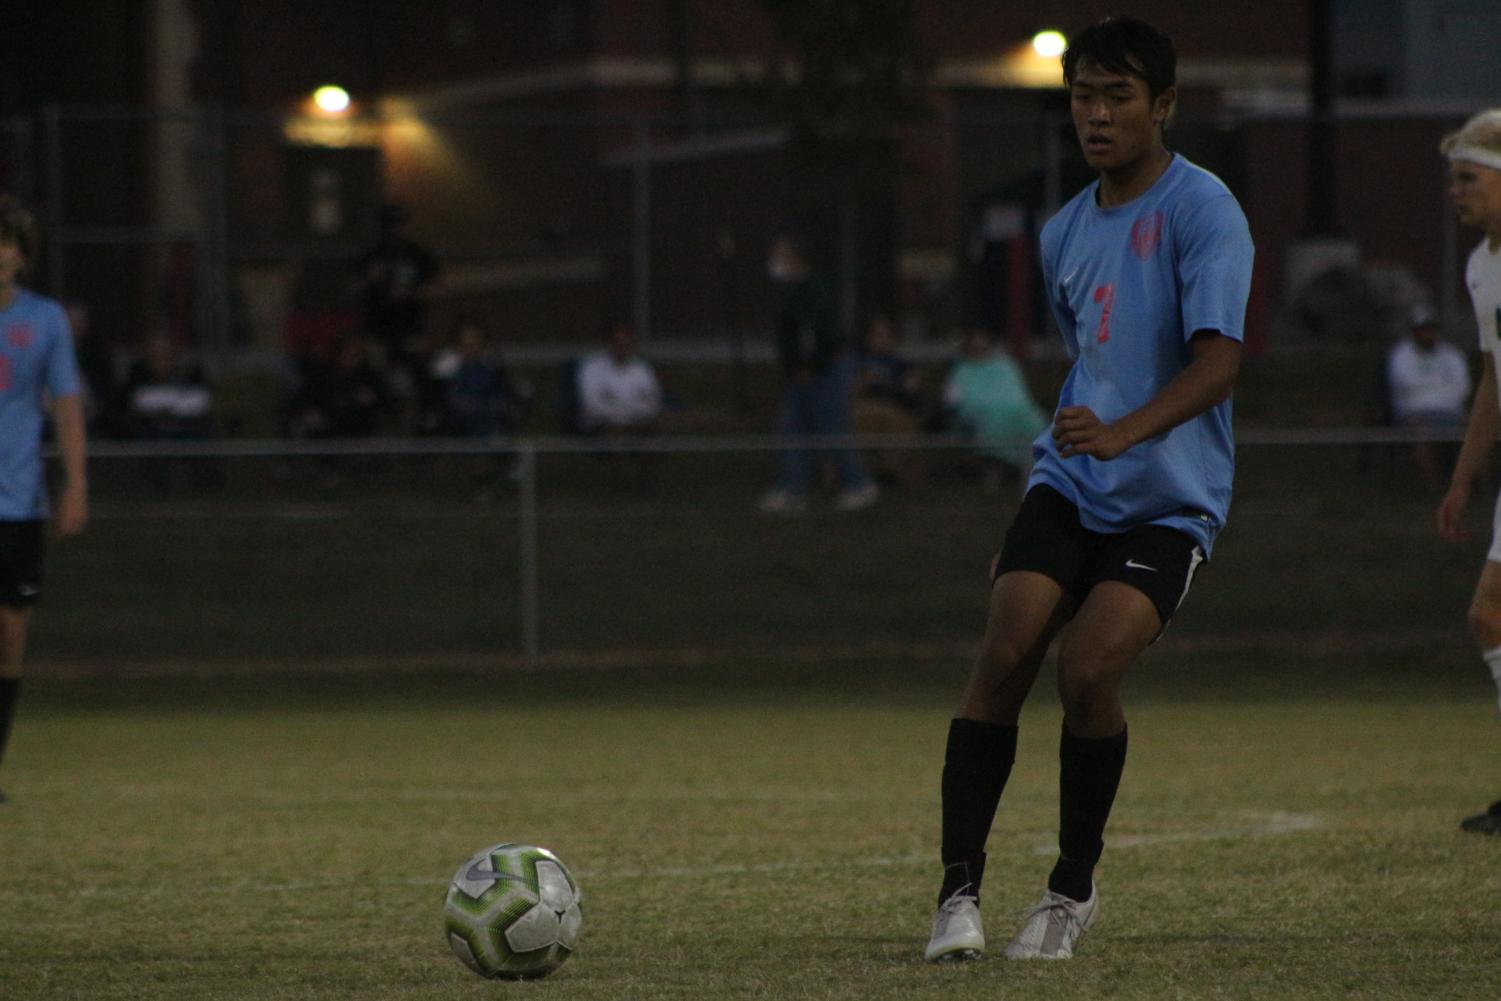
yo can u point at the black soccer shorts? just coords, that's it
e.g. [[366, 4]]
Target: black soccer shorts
[[22, 544], [1047, 537]]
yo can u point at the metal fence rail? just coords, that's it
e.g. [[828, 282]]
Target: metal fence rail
[[273, 448]]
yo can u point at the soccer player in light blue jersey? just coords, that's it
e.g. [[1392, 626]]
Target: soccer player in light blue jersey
[[37, 367], [1147, 271]]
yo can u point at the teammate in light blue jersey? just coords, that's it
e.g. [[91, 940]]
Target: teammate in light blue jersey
[[37, 368], [1148, 271]]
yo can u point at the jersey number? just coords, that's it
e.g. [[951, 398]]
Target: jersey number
[[1104, 294]]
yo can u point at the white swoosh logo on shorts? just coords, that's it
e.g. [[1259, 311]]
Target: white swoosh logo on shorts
[[1133, 565]]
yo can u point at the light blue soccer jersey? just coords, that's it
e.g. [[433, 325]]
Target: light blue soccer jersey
[[36, 360], [1129, 286]]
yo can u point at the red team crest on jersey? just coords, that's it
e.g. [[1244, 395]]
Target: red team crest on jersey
[[18, 335], [1146, 234]]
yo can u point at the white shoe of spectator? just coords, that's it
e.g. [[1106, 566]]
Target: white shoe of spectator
[[857, 498], [781, 501]]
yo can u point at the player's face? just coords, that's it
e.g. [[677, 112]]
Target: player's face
[[12, 262], [1117, 120], [1476, 191]]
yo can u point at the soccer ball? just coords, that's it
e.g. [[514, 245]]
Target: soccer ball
[[513, 911]]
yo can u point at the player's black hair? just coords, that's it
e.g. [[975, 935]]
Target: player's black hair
[[18, 226], [1124, 45]]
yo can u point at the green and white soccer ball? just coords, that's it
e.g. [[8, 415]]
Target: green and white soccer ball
[[513, 911]]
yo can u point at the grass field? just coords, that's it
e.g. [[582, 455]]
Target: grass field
[[264, 724], [1286, 830]]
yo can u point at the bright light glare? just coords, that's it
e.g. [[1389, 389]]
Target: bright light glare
[[1049, 44], [331, 100]]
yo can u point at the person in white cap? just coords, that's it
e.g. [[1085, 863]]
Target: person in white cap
[[1428, 382], [1474, 154]]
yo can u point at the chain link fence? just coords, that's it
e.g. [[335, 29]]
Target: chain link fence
[[550, 551]]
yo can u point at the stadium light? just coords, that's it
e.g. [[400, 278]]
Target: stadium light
[[329, 117], [331, 99], [1049, 44]]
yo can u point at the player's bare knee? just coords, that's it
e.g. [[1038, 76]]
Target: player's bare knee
[[12, 646], [1000, 657], [989, 696], [1092, 675], [1086, 688]]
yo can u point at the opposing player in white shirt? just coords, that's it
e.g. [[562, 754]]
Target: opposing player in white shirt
[[1474, 154]]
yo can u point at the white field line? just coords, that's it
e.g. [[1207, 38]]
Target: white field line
[[1268, 823], [1262, 826]]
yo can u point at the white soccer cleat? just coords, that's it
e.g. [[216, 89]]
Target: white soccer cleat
[[857, 498], [957, 933], [1053, 928]]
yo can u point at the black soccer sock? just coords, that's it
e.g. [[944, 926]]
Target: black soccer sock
[[976, 765], [1089, 776], [10, 693]]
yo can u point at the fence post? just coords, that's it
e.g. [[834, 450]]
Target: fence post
[[641, 231], [531, 598], [52, 131], [1450, 270], [213, 274], [1052, 166], [23, 180]]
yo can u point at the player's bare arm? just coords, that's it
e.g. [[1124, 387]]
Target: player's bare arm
[[1480, 437], [72, 443], [1207, 381]]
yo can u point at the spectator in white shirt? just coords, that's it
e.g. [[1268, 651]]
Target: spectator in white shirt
[[618, 389], [1428, 382]]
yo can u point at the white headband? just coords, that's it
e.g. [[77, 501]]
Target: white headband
[[1474, 154]]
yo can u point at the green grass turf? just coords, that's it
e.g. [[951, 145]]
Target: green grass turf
[[745, 830]]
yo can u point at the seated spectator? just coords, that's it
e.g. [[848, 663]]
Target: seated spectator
[[165, 396], [344, 397], [479, 397], [887, 400], [1428, 386], [618, 391], [986, 396], [882, 374]]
